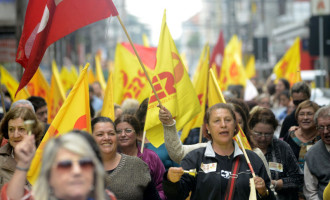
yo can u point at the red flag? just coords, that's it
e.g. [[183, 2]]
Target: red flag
[[217, 54], [48, 21]]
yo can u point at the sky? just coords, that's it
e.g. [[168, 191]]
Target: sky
[[151, 13]]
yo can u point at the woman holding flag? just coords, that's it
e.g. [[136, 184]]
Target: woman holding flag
[[221, 169]]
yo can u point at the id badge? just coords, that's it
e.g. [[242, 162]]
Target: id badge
[[211, 167], [275, 166]]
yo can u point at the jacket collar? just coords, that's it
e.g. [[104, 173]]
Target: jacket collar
[[209, 152]]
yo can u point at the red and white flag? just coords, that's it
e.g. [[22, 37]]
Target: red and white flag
[[46, 21], [217, 54]]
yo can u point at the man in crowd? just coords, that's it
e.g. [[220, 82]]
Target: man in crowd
[[299, 92], [317, 164]]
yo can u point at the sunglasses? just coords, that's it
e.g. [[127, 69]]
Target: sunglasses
[[84, 164]]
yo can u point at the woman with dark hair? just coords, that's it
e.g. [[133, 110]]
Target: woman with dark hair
[[218, 165], [127, 129], [281, 85], [13, 129], [127, 176], [286, 175]]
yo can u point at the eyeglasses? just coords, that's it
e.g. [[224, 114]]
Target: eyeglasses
[[259, 135], [126, 130], [322, 128], [84, 163]]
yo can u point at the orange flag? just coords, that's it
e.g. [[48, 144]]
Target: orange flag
[[131, 82], [215, 96], [201, 91], [174, 88], [289, 65], [74, 114], [57, 94], [232, 71], [38, 86], [108, 109], [12, 84]]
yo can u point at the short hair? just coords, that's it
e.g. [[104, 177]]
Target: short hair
[[262, 115], [323, 112], [101, 119], [244, 106], [142, 112], [306, 104], [25, 114], [130, 119], [285, 83], [76, 144], [301, 87], [130, 106], [286, 93], [37, 102], [22, 102], [228, 107]]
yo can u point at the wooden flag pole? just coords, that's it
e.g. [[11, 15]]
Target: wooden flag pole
[[244, 152], [137, 55], [2, 98], [145, 72]]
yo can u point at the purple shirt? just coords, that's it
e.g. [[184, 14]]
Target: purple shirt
[[156, 168]]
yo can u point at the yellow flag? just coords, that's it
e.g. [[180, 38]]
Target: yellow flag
[[67, 78], [215, 96], [232, 71], [99, 72], [57, 94], [201, 91], [174, 88], [12, 84], [38, 86], [145, 40], [289, 65], [74, 73], [250, 69], [108, 109], [74, 114], [91, 76], [199, 66], [130, 79]]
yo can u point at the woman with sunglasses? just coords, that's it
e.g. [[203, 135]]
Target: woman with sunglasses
[[221, 167], [70, 170], [13, 129], [127, 129], [127, 176], [286, 174]]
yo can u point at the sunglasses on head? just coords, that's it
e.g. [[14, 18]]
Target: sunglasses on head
[[84, 163]]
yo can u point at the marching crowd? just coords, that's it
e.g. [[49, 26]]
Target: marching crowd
[[289, 158]]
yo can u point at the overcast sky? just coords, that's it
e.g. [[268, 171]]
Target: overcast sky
[[151, 13]]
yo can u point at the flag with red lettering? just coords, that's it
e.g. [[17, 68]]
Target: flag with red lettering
[[174, 89], [49, 20]]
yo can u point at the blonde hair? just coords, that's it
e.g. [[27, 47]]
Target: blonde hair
[[78, 145]]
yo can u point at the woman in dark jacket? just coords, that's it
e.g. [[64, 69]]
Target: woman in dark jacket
[[221, 166]]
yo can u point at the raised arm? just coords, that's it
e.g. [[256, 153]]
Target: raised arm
[[24, 152], [174, 147]]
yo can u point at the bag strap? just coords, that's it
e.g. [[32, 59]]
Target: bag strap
[[231, 183]]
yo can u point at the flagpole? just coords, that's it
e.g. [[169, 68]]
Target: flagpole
[[143, 140], [137, 55], [2, 98]]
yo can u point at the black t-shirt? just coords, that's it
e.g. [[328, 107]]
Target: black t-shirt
[[225, 164]]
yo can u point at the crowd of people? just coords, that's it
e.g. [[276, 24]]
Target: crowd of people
[[289, 158]]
